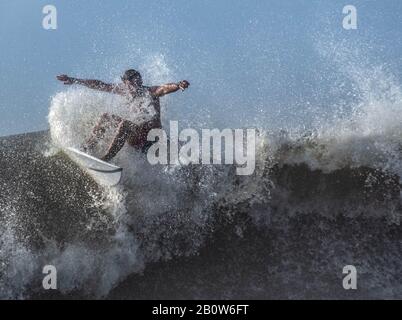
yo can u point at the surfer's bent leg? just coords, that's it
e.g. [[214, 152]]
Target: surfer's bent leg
[[124, 129], [100, 129]]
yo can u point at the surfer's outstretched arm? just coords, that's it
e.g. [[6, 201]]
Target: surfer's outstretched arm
[[164, 89], [92, 84]]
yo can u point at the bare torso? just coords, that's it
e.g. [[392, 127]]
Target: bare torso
[[137, 135]]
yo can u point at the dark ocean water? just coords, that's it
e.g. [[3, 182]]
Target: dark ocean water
[[285, 232]]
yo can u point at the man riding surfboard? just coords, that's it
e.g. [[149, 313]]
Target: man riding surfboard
[[132, 88]]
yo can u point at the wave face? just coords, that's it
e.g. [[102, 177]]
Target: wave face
[[289, 224], [316, 203], [319, 199]]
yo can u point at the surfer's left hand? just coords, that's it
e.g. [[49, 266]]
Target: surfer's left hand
[[183, 85], [66, 79]]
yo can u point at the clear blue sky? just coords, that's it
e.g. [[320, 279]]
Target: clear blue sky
[[249, 62]]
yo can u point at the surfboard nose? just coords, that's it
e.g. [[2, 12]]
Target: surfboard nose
[[103, 173]]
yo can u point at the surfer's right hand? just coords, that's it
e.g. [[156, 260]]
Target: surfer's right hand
[[65, 78], [183, 85]]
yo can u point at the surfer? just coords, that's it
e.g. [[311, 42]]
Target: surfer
[[132, 88]]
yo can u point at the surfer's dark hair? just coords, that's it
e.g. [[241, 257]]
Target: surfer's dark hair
[[132, 76]]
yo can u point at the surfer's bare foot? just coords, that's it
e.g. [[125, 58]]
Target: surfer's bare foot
[[89, 146], [86, 148]]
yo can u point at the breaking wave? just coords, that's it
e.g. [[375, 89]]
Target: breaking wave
[[345, 168]]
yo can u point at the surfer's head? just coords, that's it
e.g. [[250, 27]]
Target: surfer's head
[[132, 77]]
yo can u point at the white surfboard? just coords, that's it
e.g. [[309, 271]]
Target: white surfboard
[[104, 173]]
